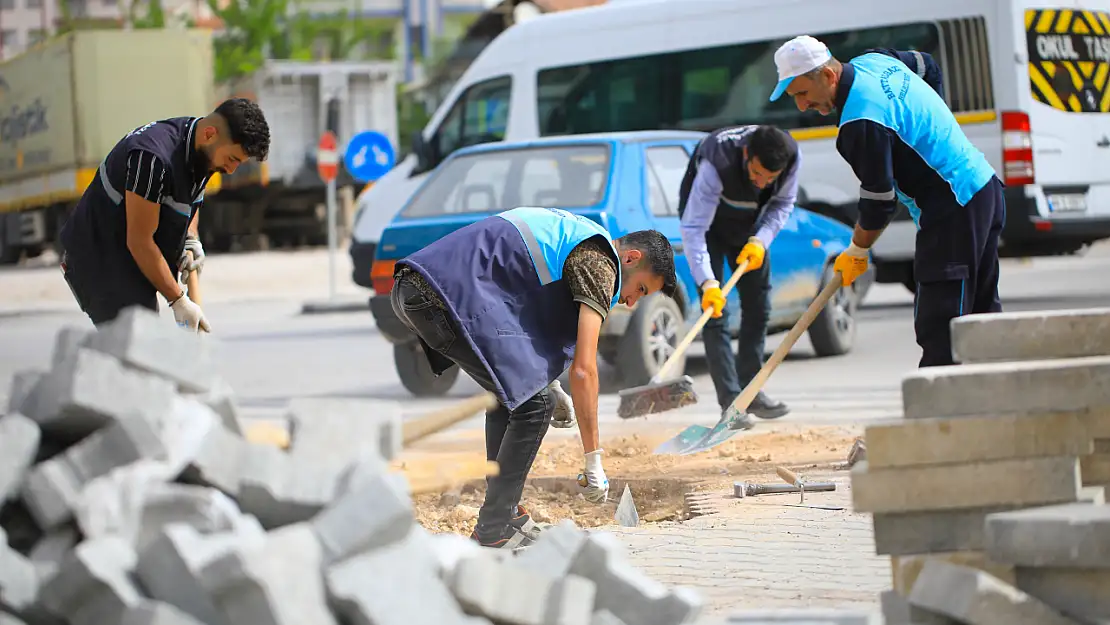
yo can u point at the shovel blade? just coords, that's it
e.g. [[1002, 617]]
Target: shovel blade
[[686, 438]]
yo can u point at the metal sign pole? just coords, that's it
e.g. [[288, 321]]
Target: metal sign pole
[[331, 239]]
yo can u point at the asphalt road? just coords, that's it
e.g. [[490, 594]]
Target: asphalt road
[[270, 353]]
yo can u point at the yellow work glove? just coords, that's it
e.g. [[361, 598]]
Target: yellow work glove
[[753, 252], [711, 297], [852, 263]]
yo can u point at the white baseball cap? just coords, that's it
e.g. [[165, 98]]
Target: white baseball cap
[[795, 57]]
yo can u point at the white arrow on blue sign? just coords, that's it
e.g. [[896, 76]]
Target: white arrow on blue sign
[[369, 156]]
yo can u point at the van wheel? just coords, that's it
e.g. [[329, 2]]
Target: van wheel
[[834, 330], [416, 374], [653, 333]]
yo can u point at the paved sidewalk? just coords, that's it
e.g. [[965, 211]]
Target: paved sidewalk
[[756, 553]]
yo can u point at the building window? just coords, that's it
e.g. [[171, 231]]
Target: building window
[[701, 89], [35, 35], [7, 5]]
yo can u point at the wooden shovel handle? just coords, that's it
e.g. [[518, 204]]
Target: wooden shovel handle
[[424, 427]]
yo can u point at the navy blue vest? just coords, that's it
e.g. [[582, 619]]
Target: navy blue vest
[[95, 235], [887, 93], [501, 280]]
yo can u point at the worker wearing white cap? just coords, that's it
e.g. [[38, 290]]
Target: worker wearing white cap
[[903, 143]]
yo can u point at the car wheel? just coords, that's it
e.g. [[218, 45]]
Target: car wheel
[[416, 374], [653, 333], [834, 329]]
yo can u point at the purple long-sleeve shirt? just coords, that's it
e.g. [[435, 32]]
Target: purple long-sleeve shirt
[[701, 208]]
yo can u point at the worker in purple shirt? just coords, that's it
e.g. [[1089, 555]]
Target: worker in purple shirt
[[739, 189]]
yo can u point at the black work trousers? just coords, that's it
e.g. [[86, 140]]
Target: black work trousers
[[512, 438], [102, 297], [732, 373], [956, 268]]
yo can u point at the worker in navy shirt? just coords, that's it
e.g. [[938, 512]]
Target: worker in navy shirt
[[135, 227], [739, 190], [903, 143]]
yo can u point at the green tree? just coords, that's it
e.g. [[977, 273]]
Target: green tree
[[255, 30]]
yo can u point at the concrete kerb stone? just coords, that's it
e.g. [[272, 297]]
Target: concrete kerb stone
[[1029, 387], [19, 443], [978, 598], [143, 506], [1031, 335], [1072, 535], [1081, 594]]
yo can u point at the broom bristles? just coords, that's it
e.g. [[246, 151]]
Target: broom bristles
[[655, 398]]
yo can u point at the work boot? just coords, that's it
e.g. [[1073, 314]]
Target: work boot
[[766, 408], [523, 522], [511, 538]]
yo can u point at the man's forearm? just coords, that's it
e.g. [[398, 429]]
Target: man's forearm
[[194, 229], [149, 259], [865, 238], [583, 391]]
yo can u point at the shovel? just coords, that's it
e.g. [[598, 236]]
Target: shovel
[[658, 395], [698, 438]]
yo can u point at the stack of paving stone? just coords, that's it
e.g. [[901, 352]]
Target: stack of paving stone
[[130, 496], [989, 493]]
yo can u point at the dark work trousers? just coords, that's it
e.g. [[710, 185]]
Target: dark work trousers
[[512, 438], [732, 373], [100, 297], [956, 268]]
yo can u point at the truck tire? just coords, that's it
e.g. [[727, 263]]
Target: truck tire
[[834, 330], [656, 328], [416, 374]]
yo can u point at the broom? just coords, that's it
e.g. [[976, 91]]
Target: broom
[[659, 395]]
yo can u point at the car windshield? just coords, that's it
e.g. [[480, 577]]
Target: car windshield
[[573, 176]]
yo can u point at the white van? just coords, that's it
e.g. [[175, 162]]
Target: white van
[[1027, 80]]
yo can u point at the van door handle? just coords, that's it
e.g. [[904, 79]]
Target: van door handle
[[1104, 143]]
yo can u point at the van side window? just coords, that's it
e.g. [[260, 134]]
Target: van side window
[[701, 89], [479, 116], [666, 168]]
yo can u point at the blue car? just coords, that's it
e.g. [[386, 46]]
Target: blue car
[[626, 182]]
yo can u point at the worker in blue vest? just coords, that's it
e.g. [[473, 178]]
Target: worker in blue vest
[[135, 226], [514, 300], [904, 143]]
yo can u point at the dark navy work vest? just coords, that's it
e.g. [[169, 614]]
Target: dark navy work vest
[[886, 92], [741, 202], [95, 235], [501, 280]]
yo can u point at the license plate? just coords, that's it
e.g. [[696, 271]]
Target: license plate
[[1067, 203]]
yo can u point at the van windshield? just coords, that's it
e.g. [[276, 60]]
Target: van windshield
[[488, 182]]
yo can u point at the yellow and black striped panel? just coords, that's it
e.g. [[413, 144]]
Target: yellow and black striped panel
[[1069, 59]]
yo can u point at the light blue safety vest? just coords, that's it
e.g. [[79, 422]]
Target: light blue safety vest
[[886, 92]]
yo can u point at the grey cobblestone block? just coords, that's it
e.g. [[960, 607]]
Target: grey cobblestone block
[[1072, 535], [1031, 335], [281, 490], [335, 430], [977, 598], [221, 399], [376, 513], [19, 580], [88, 392], [8, 619], [93, 586], [142, 340], [1035, 386], [23, 393], [513, 595], [1080, 593], [1024, 481], [54, 487], [52, 548], [374, 588], [218, 460], [171, 565], [605, 617], [156, 613], [898, 611], [626, 591], [917, 442], [19, 443], [931, 531], [277, 584], [67, 341], [555, 550]]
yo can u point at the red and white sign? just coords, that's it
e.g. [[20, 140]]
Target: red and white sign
[[327, 157]]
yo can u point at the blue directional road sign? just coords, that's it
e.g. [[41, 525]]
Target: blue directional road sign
[[369, 156]]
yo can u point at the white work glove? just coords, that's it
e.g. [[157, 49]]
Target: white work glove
[[188, 315], [564, 407], [592, 483], [187, 264]]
